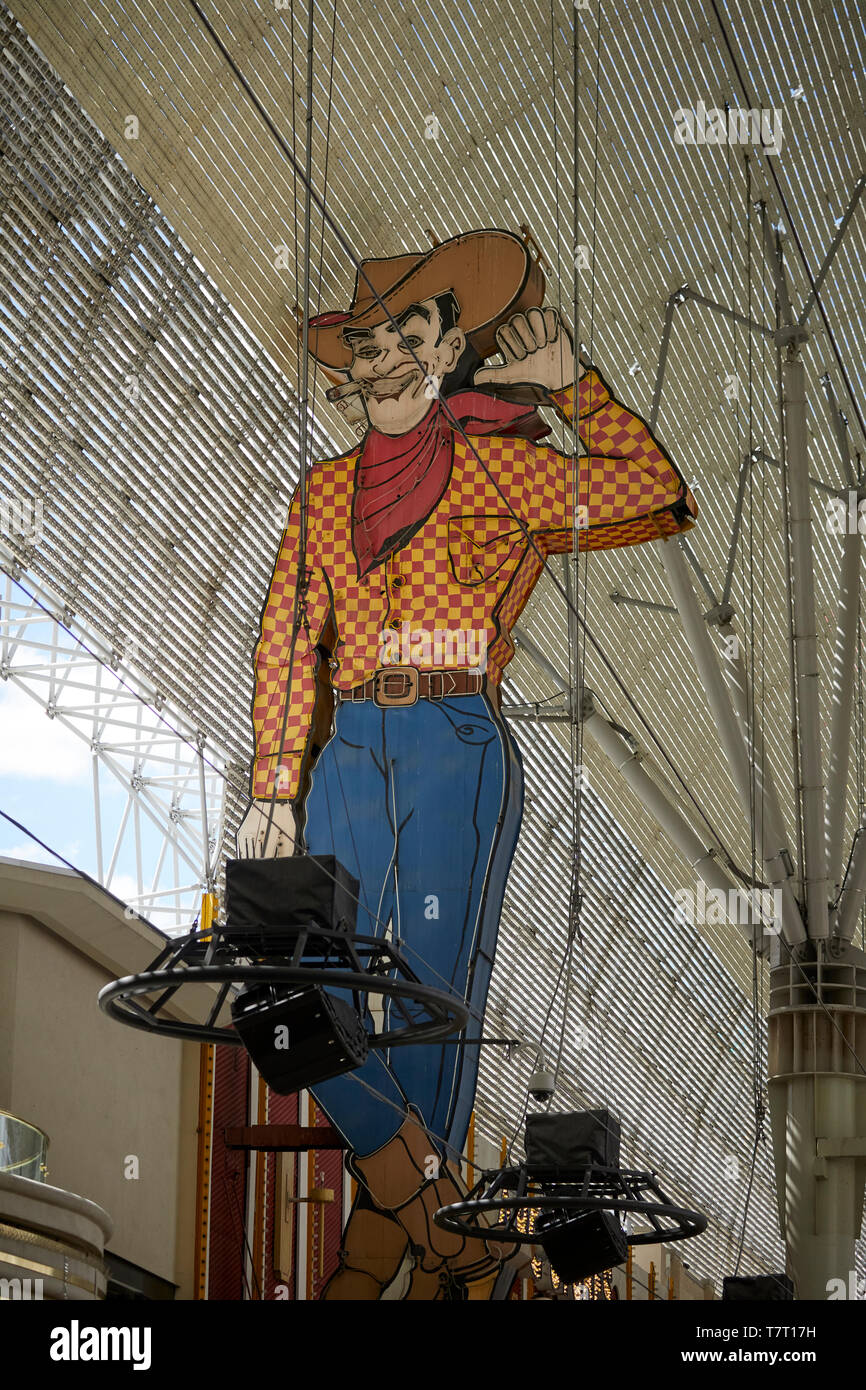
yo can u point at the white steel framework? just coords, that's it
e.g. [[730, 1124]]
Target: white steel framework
[[166, 830]]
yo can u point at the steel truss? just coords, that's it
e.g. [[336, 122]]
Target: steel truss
[[167, 829]]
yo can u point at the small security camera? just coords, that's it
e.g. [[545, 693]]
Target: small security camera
[[542, 1085]]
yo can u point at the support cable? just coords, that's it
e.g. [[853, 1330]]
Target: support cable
[[305, 423], [815, 289]]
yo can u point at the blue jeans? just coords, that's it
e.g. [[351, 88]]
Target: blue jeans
[[423, 805]]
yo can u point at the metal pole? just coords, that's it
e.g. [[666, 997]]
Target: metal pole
[[844, 670], [768, 810], [805, 647], [839, 427], [542, 661], [854, 896], [834, 247], [696, 852], [205, 835], [730, 734]]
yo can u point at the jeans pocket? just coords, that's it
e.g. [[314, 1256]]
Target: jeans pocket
[[470, 728]]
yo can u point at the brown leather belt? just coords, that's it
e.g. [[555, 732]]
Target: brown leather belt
[[395, 686]]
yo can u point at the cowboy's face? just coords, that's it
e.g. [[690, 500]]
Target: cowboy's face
[[398, 391]]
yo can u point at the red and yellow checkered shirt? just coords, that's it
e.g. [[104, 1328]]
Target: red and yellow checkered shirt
[[470, 568]]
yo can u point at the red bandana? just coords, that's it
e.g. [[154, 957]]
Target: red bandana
[[400, 479]]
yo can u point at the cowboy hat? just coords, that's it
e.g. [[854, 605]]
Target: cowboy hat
[[491, 273]]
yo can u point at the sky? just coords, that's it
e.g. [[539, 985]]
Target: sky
[[46, 784]]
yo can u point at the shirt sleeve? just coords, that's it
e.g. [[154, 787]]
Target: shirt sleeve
[[282, 676], [628, 489]]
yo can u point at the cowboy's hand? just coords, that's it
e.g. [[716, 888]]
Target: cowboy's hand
[[536, 347], [254, 839]]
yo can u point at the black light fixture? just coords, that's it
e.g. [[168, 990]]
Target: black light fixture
[[569, 1196], [269, 901], [576, 1140], [305, 976], [757, 1288], [582, 1245], [577, 1244], [297, 1037]]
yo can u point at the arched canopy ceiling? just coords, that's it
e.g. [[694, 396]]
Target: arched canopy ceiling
[[149, 248]]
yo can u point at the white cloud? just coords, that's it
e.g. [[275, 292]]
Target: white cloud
[[123, 886], [27, 850], [32, 745]]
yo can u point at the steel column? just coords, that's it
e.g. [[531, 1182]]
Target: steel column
[[844, 669], [768, 811], [627, 762], [854, 896], [730, 734], [805, 648]]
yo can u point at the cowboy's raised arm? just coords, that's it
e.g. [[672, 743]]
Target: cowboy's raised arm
[[629, 490], [278, 670]]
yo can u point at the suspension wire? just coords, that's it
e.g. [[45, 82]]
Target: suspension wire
[[861, 737], [746, 1204], [82, 873], [789, 583], [577, 586], [409, 1116], [578, 631], [771, 165], [296, 241], [305, 422], [580, 572], [325, 185], [751, 706], [565, 960], [759, 695]]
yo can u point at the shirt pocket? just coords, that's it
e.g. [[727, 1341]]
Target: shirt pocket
[[480, 545]]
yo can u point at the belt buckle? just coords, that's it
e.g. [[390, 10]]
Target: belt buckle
[[409, 675]]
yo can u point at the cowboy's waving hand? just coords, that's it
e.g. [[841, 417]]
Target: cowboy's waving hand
[[536, 348]]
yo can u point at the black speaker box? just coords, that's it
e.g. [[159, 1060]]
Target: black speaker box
[[575, 1140], [269, 900], [297, 1037], [581, 1245], [757, 1288]]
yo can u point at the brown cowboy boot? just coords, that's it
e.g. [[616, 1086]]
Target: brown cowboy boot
[[396, 1178], [373, 1248]]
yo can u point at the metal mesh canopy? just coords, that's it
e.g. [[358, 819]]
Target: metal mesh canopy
[[148, 352]]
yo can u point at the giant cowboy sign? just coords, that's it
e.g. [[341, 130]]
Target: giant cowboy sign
[[392, 753]]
